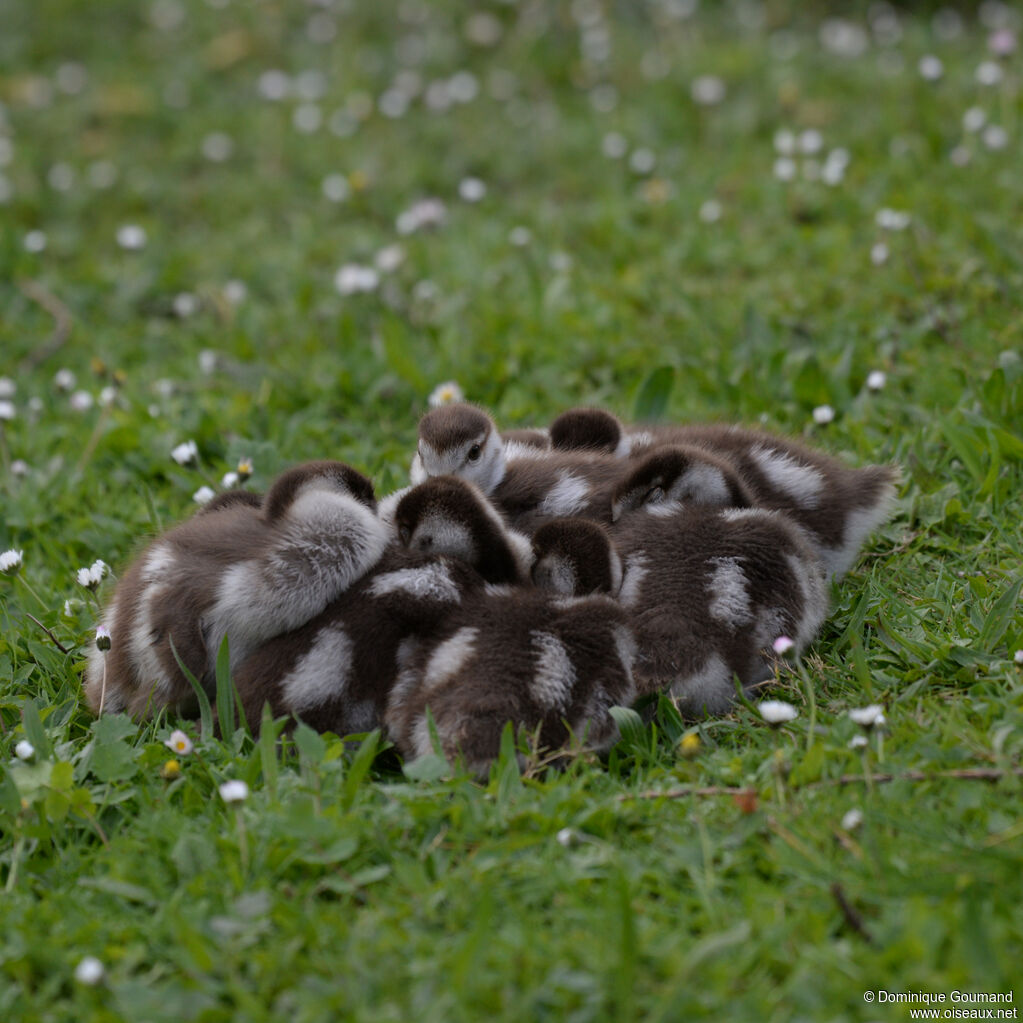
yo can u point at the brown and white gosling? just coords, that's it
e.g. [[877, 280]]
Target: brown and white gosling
[[551, 666], [839, 506], [707, 592], [234, 569]]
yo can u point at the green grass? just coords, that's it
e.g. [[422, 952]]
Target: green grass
[[344, 888]]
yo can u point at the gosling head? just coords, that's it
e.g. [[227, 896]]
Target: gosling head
[[672, 477], [574, 558], [459, 440], [312, 478], [447, 515], [588, 429]]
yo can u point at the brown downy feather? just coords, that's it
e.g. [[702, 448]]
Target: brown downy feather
[[549, 666], [336, 672], [448, 515], [231, 570]]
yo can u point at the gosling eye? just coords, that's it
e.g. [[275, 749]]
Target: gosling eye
[[474, 453], [404, 534], [654, 495]]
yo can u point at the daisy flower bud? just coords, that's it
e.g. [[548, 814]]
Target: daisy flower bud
[[102, 638], [244, 469], [10, 562], [689, 746], [24, 750], [171, 770], [782, 645], [204, 495]]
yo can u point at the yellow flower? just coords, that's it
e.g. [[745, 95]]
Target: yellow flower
[[171, 770]]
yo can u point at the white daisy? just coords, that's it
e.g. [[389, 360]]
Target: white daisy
[[90, 971], [871, 716], [234, 791], [24, 750], [472, 189], [445, 394], [179, 742], [354, 278], [707, 90], [823, 414], [204, 495], [131, 237], [186, 453], [852, 819]]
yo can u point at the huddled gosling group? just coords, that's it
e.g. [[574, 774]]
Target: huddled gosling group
[[536, 577]]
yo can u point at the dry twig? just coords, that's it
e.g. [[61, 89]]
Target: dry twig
[[61, 327]]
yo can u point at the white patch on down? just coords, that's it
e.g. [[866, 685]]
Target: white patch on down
[[709, 689], [405, 682], [803, 483], [616, 571], [701, 484], [449, 658], [567, 496], [321, 673], [428, 582], [625, 646], [738, 514], [730, 601], [554, 677], [521, 550], [663, 509], [641, 439], [159, 561], [158, 565], [516, 451], [632, 579], [416, 473], [859, 524], [813, 590], [422, 741], [387, 506]]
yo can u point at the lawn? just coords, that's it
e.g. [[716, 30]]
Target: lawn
[[273, 228]]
